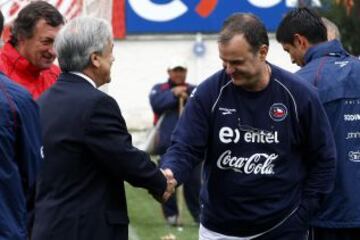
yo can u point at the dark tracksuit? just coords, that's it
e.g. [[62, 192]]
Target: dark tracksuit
[[336, 75], [20, 159], [269, 156]]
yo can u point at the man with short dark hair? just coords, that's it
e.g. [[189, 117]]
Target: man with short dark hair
[[27, 58], [268, 152], [335, 74]]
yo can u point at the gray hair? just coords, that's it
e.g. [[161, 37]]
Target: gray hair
[[78, 39], [331, 29]]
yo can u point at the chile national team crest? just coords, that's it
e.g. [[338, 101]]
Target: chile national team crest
[[278, 112]]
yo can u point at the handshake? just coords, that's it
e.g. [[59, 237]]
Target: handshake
[[171, 184]]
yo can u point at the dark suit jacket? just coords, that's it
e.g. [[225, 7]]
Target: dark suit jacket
[[88, 155]]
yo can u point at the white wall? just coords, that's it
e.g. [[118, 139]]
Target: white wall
[[141, 62]]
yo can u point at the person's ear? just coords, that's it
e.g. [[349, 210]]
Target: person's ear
[[263, 51], [94, 59], [20, 38], [300, 41]]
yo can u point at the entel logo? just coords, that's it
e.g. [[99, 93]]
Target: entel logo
[[229, 135], [163, 12]]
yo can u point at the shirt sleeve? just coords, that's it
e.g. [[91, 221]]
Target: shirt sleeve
[[28, 142], [189, 139], [319, 153]]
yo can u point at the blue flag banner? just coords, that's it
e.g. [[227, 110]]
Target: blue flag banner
[[207, 16]]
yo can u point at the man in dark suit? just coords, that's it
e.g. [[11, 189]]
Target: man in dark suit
[[87, 148]]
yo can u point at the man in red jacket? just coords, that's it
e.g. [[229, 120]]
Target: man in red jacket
[[27, 58]]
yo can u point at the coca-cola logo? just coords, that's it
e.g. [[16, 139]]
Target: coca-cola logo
[[258, 163]]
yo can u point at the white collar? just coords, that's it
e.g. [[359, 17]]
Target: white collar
[[80, 74]]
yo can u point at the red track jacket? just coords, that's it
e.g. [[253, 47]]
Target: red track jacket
[[19, 69]]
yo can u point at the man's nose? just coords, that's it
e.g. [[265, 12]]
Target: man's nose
[[228, 68], [52, 50]]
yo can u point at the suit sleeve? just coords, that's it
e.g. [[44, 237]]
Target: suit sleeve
[[110, 143]]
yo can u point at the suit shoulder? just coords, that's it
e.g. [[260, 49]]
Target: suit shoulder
[[99, 95], [100, 99]]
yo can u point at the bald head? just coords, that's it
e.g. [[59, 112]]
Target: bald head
[[331, 29]]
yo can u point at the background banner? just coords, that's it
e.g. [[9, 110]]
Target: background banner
[[163, 16], [179, 16]]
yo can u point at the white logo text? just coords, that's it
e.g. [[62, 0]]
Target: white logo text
[[258, 163], [228, 135], [352, 117]]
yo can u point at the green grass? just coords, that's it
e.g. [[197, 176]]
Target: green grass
[[147, 221]]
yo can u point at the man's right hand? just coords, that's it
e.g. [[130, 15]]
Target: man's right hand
[[180, 91], [171, 184]]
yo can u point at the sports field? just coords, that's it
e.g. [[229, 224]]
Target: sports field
[[147, 222], [146, 219]]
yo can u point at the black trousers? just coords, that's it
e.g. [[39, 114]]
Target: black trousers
[[335, 234]]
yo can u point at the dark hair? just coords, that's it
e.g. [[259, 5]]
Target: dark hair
[[1, 22], [29, 16], [249, 25], [302, 21]]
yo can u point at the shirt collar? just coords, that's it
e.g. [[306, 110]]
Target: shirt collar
[[328, 48], [85, 77]]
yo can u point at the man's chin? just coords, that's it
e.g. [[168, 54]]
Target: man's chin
[[46, 63], [107, 81], [238, 82], [44, 66], [298, 64]]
